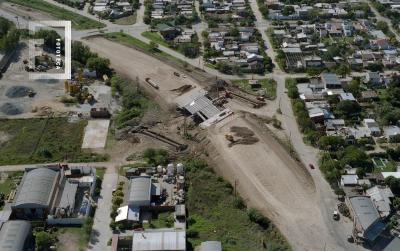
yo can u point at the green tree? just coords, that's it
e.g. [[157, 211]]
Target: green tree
[[119, 193], [363, 141], [330, 177], [332, 141], [293, 93], [236, 68], [185, 64], [313, 72], [204, 34], [118, 200], [347, 106], [299, 22], [222, 66], [153, 46], [99, 64], [234, 32], [383, 26], [257, 216], [395, 138], [313, 137], [339, 191], [287, 10], [343, 70], [77, 4], [360, 172], [202, 8], [87, 225], [353, 87], [43, 240]]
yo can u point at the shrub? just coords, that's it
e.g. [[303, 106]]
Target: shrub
[[135, 225], [238, 202], [191, 220], [257, 216], [220, 178], [120, 226], [97, 192], [64, 99], [192, 233], [118, 200], [113, 225], [119, 193], [113, 214], [119, 188], [121, 183], [227, 184]]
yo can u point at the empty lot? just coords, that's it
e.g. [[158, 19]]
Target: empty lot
[[269, 179]]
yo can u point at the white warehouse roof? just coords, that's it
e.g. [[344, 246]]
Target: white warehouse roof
[[159, 240]]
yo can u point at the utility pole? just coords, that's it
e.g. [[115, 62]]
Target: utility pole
[[184, 124], [137, 83], [279, 103], [236, 181]]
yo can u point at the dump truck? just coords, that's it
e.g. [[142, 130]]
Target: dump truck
[[148, 80]]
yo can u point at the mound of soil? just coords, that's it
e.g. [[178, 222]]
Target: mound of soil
[[10, 109], [18, 91]]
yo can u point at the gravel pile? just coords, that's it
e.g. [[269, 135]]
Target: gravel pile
[[18, 91], [10, 109]]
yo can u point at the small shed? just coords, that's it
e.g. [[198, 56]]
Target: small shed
[[364, 182], [180, 212], [254, 84], [349, 180], [132, 171]]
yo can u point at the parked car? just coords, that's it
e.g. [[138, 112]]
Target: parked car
[[138, 229], [261, 98], [335, 215], [114, 191], [311, 166], [176, 74], [349, 238], [183, 76]]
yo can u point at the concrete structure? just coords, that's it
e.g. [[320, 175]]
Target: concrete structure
[[37, 192], [211, 246], [96, 134], [15, 235], [347, 96], [369, 94], [381, 199], [366, 219], [349, 180], [391, 131], [139, 191], [159, 240]]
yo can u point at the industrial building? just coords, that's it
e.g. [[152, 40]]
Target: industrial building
[[36, 194], [367, 222], [381, 199], [331, 81], [173, 240], [139, 191], [15, 235]]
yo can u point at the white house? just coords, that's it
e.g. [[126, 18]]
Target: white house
[[373, 77]]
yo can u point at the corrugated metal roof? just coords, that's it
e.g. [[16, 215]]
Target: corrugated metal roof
[[156, 189], [211, 246], [36, 187], [13, 235], [159, 240], [198, 102], [331, 79], [365, 210], [139, 188]]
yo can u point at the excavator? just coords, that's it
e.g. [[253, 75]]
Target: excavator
[[31, 94], [229, 137]]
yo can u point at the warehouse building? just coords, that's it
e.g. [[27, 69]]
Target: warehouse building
[[139, 191], [172, 240], [15, 235], [36, 194]]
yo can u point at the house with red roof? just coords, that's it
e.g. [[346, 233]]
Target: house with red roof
[[385, 45]]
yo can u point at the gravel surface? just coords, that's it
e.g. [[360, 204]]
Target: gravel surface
[[18, 91], [47, 80], [11, 109]]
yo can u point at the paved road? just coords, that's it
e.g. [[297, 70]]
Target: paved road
[[380, 18]]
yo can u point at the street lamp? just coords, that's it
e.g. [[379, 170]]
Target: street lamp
[[17, 21]]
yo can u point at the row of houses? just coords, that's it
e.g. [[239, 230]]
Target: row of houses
[[164, 8], [112, 8]]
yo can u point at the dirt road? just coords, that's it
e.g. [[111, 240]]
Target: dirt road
[[272, 181], [131, 63]]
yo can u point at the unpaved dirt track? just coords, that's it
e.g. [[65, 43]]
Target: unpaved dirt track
[[272, 181], [131, 63]]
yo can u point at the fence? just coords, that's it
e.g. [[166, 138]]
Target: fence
[[156, 208]]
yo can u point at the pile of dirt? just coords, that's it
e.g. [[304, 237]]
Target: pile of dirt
[[344, 210], [246, 135], [183, 89], [47, 80], [10, 109], [18, 91], [41, 111]]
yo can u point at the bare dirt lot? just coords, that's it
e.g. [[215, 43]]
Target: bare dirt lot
[[131, 63], [26, 12], [271, 180]]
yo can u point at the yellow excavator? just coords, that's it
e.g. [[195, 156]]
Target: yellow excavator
[[229, 137], [31, 94]]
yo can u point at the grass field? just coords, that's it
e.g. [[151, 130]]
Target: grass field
[[382, 93], [129, 20], [378, 162], [267, 85], [29, 141], [210, 66], [79, 22], [131, 40], [350, 39], [155, 37], [216, 215]]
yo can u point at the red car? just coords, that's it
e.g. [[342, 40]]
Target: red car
[[311, 166], [138, 229]]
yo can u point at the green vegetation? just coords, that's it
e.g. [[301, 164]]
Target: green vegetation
[[135, 102], [32, 141], [379, 162], [215, 212], [119, 36], [78, 235], [350, 39], [210, 66], [160, 220], [78, 22], [267, 85], [9, 35], [181, 48]]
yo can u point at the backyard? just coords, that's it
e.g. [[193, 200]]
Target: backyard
[[71, 239], [267, 85], [382, 93]]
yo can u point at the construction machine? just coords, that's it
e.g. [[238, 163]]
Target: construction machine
[[90, 98], [31, 94], [25, 61], [229, 137]]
